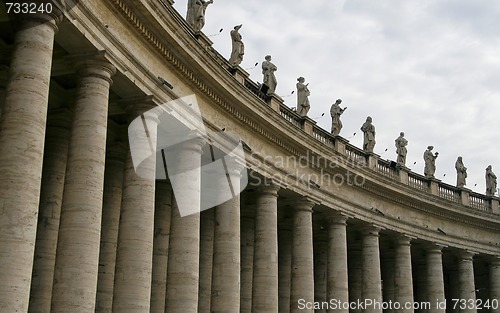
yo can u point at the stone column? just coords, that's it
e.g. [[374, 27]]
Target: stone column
[[355, 272], [163, 212], [227, 258], [337, 277], [4, 74], [134, 255], [302, 286], [371, 277], [184, 249], [54, 170], [403, 279], [435, 278], [467, 288], [495, 282], [388, 269], [265, 273], [320, 269], [247, 242], [421, 284], [111, 205], [284, 264], [75, 279], [23, 122], [207, 225]]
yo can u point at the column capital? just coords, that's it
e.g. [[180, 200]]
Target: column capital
[[403, 239], [336, 218], [53, 19], [269, 187], [141, 105], [93, 65], [304, 204], [434, 248], [371, 230], [465, 255], [495, 260]]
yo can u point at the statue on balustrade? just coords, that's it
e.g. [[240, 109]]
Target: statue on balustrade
[[461, 172], [491, 182], [430, 162], [196, 13], [401, 151], [303, 94], [335, 112], [369, 135], [238, 47], [268, 69]]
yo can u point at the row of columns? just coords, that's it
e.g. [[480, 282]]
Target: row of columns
[[107, 240]]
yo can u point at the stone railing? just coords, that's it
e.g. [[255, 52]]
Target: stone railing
[[449, 192], [254, 88], [355, 154], [387, 169], [290, 115], [322, 135], [480, 202], [418, 181]]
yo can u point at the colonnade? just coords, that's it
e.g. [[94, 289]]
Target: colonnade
[[80, 231]]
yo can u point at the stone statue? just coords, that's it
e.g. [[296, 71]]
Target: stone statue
[[268, 69], [491, 182], [335, 112], [238, 47], [461, 172], [401, 151], [196, 13], [430, 162], [369, 135], [303, 93]]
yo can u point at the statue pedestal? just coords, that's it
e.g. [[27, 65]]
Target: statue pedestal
[[274, 101], [434, 185], [340, 144], [372, 160], [203, 39], [239, 73], [495, 205], [403, 174], [464, 195], [307, 125]]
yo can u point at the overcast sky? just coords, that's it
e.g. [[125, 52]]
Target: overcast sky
[[430, 68]]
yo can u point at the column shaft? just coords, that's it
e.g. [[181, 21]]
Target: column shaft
[[371, 277], [184, 249], [75, 279], [227, 257], [403, 279], [247, 242], [467, 288], [338, 287], [302, 286], [388, 271], [355, 267], [495, 283], [435, 279], [134, 257], [207, 225], [111, 205], [265, 274], [163, 213], [22, 134], [320, 270], [284, 265], [54, 169]]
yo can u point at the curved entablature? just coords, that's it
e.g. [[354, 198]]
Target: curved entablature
[[276, 134]]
